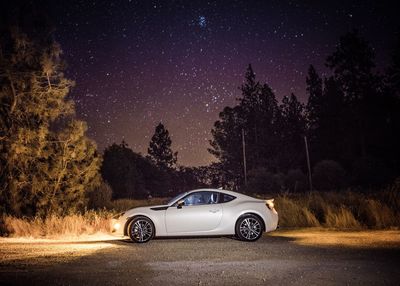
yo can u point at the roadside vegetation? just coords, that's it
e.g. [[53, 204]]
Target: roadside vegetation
[[340, 210]]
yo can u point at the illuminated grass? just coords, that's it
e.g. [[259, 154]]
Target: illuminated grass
[[54, 226]]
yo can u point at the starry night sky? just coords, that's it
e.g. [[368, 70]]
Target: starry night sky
[[137, 63]]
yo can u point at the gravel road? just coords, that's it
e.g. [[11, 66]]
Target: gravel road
[[281, 258]]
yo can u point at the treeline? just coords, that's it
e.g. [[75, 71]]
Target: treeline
[[351, 120]]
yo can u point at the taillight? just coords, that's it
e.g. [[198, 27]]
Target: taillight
[[270, 204]]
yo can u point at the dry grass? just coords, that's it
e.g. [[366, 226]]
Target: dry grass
[[55, 226], [341, 210]]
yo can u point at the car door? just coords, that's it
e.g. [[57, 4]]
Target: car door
[[202, 212]]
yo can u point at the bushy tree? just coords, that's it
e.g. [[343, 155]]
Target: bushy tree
[[47, 162], [120, 171], [160, 150]]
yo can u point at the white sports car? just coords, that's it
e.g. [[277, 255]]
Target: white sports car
[[203, 212]]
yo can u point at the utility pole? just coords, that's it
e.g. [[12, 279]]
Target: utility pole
[[308, 163], [244, 158]]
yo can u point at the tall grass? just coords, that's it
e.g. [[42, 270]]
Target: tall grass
[[344, 210], [54, 226]]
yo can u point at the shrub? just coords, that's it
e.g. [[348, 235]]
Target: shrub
[[296, 181], [328, 175], [262, 181], [100, 197]]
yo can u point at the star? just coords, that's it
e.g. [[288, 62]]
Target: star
[[202, 22]]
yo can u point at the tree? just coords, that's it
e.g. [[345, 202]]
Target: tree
[[121, 173], [315, 100], [258, 114], [47, 162], [292, 131], [352, 64], [160, 148], [226, 145]]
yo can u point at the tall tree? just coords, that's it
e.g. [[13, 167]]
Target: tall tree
[[258, 115], [47, 162], [315, 99], [292, 132], [226, 146], [352, 64], [160, 148]]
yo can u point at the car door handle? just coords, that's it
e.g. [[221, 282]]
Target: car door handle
[[213, 211]]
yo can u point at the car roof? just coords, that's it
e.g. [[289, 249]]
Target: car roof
[[232, 193]]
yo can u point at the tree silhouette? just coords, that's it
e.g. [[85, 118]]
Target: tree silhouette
[[160, 148], [293, 129]]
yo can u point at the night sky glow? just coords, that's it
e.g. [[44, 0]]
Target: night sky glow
[[137, 63]]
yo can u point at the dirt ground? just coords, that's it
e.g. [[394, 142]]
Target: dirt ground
[[296, 257]]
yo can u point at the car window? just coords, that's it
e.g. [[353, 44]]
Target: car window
[[201, 198], [227, 198]]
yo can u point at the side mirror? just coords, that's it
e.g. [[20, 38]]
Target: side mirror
[[180, 204]]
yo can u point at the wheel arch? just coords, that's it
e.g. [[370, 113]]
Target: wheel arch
[[255, 214], [130, 219]]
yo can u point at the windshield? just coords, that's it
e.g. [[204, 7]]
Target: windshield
[[176, 197]]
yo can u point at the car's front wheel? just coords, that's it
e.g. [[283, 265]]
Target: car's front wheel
[[141, 229], [249, 228]]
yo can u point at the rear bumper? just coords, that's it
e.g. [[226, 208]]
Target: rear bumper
[[272, 223]]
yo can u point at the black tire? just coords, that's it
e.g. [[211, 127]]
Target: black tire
[[141, 229], [249, 228]]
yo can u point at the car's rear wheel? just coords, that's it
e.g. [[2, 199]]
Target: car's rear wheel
[[249, 228], [141, 229]]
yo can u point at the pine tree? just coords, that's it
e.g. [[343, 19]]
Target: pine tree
[[258, 114], [293, 130], [47, 163], [160, 150], [315, 100]]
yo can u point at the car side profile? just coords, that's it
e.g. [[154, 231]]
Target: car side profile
[[202, 212]]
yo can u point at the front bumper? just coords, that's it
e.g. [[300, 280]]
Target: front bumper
[[117, 225]]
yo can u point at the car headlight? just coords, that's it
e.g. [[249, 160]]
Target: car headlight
[[116, 226]]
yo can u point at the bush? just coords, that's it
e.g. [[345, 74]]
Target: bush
[[262, 181], [328, 175], [296, 181], [368, 171], [100, 197]]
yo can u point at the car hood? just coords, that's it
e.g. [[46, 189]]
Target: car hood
[[146, 209]]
